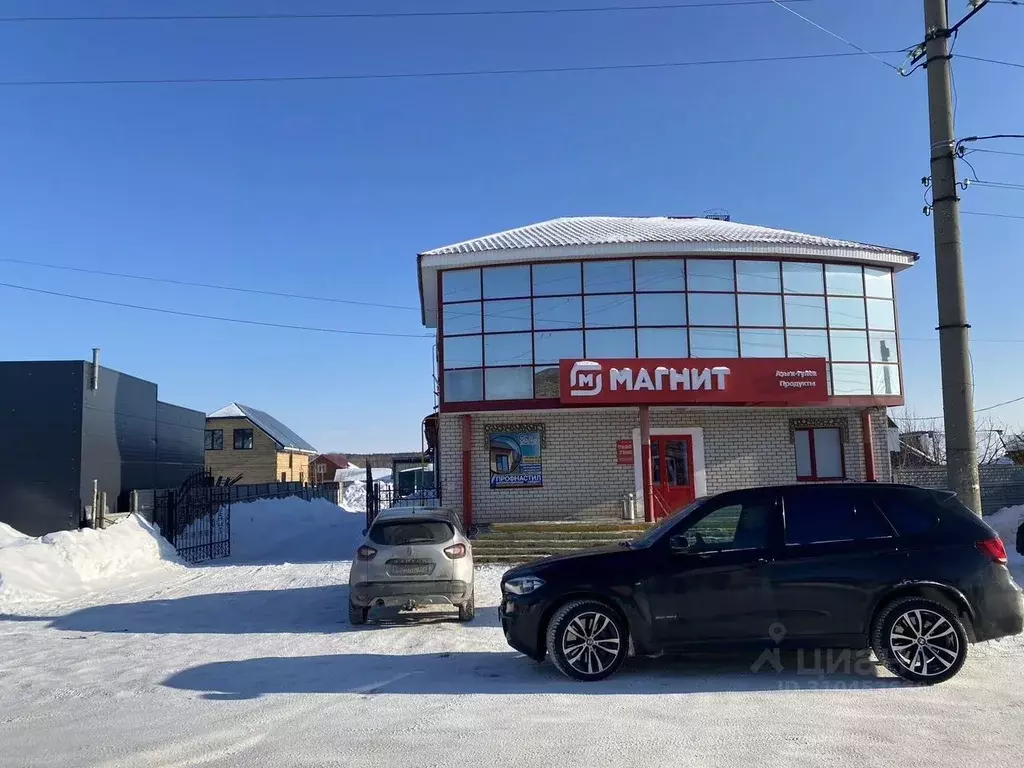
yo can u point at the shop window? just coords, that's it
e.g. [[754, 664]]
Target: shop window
[[463, 352], [851, 379], [819, 454], [758, 277], [805, 312], [760, 310], [461, 318], [878, 282], [661, 342], [803, 343], [508, 383], [556, 279], [608, 276], [558, 314], [506, 282], [214, 440], [508, 349], [798, 277], [762, 342], [545, 382], [659, 275], [885, 379], [710, 275], [881, 314], [552, 346], [661, 309], [817, 515], [883, 347], [617, 343], [713, 342], [460, 285], [846, 313], [609, 311], [712, 308], [844, 280], [507, 315], [242, 439], [463, 386], [849, 346]]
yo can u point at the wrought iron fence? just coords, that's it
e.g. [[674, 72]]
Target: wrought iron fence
[[195, 518]]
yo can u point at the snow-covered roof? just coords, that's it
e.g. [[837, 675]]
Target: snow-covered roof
[[278, 432], [353, 473], [604, 237]]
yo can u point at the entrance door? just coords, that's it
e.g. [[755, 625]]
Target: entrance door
[[671, 473]]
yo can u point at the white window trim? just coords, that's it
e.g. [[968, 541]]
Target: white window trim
[[700, 480]]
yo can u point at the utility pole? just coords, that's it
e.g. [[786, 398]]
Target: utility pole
[[957, 387]]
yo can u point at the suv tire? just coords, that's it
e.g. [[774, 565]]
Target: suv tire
[[356, 615], [468, 609], [587, 640], [920, 640]]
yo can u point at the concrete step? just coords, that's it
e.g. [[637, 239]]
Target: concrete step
[[537, 550], [492, 545], [546, 535], [570, 527]]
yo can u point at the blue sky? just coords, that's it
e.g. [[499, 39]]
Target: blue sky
[[333, 187]]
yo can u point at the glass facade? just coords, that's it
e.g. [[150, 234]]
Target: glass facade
[[505, 328]]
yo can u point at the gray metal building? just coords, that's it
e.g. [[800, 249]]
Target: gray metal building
[[66, 424]]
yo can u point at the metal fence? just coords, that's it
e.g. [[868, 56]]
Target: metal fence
[[195, 518], [254, 491], [1002, 485]]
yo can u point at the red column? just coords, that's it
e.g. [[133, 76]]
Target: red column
[[645, 462], [467, 470], [868, 438]]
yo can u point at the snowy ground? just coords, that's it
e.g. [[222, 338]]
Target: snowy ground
[[251, 662]]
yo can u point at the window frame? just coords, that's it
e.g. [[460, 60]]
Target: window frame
[[730, 499], [578, 291], [211, 433], [240, 432], [813, 477]]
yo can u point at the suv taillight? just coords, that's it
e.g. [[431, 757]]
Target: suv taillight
[[366, 553], [455, 551], [993, 549]]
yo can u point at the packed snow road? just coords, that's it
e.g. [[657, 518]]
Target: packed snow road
[[251, 662]]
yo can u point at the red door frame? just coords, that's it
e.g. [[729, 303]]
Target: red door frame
[[662, 502]]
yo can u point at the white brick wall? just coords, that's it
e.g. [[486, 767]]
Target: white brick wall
[[743, 447]]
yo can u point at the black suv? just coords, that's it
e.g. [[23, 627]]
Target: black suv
[[908, 572]]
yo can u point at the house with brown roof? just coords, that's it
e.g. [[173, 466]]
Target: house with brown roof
[[322, 468]]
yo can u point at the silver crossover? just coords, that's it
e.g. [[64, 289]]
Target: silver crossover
[[412, 557]]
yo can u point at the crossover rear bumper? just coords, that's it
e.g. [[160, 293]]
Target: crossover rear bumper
[[368, 594]]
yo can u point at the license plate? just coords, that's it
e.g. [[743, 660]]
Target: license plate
[[411, 568]]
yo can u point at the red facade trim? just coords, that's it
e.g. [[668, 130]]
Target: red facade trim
[[546, 404], [467, 470]]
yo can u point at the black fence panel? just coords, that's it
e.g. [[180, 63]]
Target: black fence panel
[[195, 518]]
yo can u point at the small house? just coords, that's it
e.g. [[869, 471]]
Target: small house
[[254, 447]]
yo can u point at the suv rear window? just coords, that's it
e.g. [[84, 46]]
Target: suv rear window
[[821, 513], [402, 533], [910, 510]]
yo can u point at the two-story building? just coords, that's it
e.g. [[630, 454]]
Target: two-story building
[[583, 359], [249, 444]]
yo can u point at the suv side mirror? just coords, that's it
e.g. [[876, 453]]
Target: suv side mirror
[[679, 544]]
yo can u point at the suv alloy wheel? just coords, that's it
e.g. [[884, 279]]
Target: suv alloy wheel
[[587, 640], [920, 640]]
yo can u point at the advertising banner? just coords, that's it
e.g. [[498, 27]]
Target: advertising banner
[[515, 459]]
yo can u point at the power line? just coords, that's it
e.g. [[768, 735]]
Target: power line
[[996, 215], [441, 74], [996, 184], [216, 286], [990, 61], [238, 320], [835, 35], [996, 152], [978, 410], [399, 15]]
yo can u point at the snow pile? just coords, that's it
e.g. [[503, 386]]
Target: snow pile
[[354, 499], [1006, 522], [293, 529], [70, 563]]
